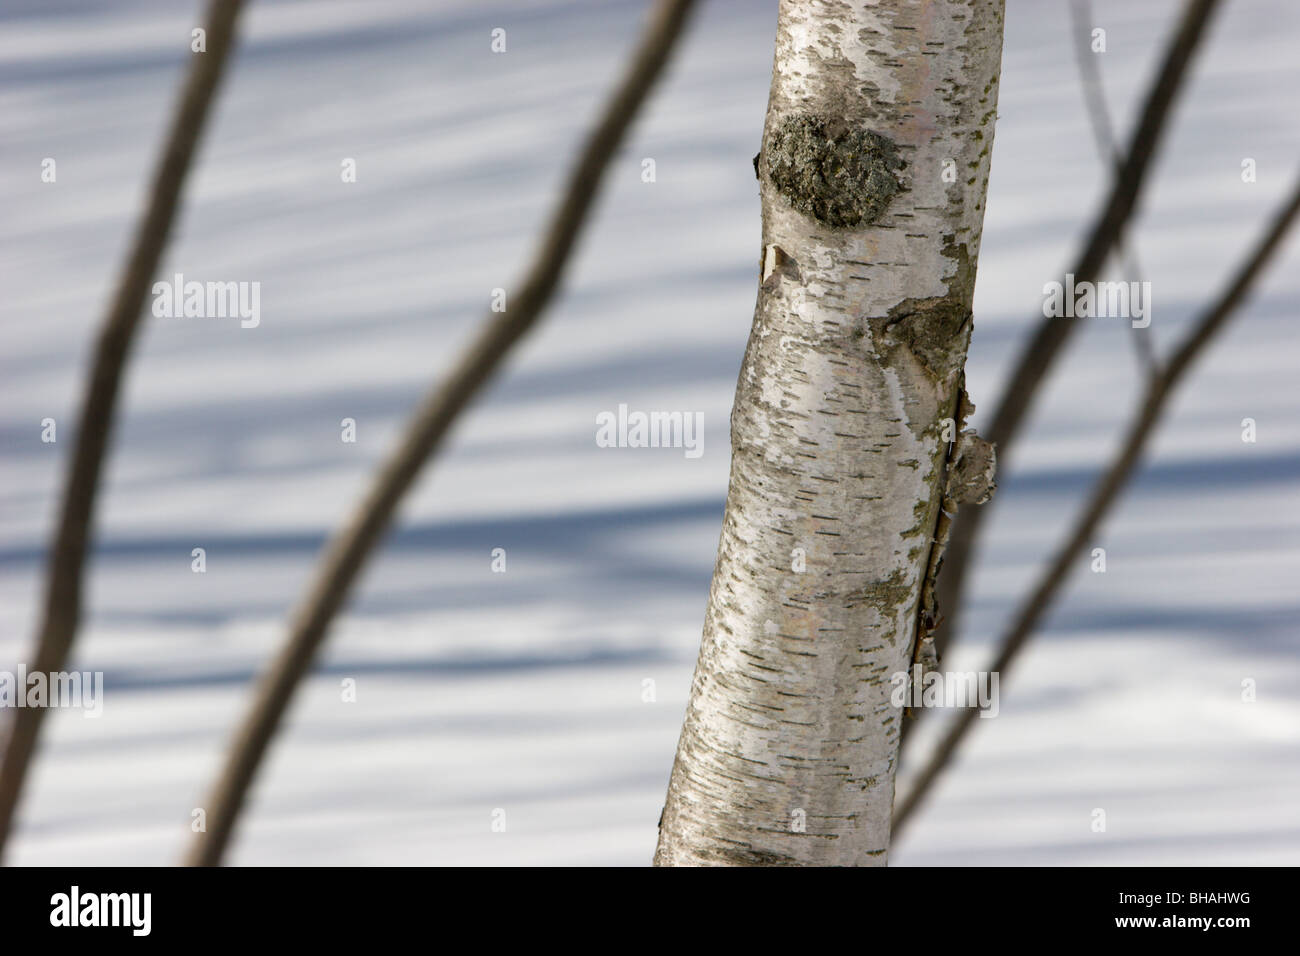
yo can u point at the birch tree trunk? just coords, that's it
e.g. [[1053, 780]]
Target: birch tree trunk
[[873, 174]]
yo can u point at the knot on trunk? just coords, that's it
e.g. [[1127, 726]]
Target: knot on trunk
[[830, 171]]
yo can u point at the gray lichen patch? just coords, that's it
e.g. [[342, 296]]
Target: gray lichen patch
[[888, 597], [825, 168]]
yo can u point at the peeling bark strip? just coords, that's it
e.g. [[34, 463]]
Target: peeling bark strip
[[788, 750]]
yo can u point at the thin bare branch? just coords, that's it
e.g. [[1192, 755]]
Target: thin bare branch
[[1103, 135], [1094, 97], [62, 609], [349, 549], [1052, 334], [1106, 492]]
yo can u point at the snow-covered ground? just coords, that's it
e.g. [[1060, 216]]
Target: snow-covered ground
[[525, 691]]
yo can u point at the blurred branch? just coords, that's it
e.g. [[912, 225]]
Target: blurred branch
[[1160, 386], [62, 609], [1053, 333], [1103, 135], [351, 546], [1094, 98]]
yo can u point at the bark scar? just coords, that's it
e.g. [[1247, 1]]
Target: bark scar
[[776, 264], [935, 329]]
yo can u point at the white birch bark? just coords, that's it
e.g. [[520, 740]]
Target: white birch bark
[[839, 448]]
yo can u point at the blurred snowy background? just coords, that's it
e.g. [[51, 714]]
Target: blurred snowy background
[[523, 690]]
